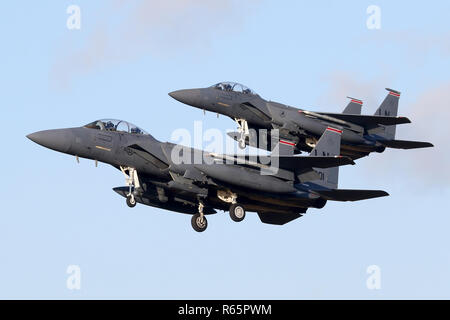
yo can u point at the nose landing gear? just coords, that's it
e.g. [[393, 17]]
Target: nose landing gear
[[131, 201], [244, 132], [132, 181]]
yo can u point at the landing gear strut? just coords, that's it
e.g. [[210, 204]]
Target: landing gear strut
[[132, 181], [243, 131], [198, 221]]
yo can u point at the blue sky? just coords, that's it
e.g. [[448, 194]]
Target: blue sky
[[124, 61]]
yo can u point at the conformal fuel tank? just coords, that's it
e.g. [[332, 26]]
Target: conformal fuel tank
[[244, 177]]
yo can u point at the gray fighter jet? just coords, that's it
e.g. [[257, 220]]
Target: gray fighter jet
[[181, 179], [301, 129]]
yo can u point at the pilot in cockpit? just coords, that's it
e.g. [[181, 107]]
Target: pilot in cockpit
[[110, 126], [100, 125], [135, 130]]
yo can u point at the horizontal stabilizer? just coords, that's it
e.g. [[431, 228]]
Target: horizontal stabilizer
[[277, 218], [366, 120], [403, 144], [313, 162], [351, 195]]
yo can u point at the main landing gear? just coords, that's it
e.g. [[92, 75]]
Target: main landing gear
[[237, 211], [243, 131], [132, 181], [198, 221]]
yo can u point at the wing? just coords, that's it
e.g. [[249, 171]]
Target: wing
[[403, 144], [351, 195]]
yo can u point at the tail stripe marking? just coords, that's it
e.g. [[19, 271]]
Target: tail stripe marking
[[357, 101], [288, 143], [334, 130]]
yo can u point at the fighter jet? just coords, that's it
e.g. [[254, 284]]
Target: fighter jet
[[191, 181], [299, 128]]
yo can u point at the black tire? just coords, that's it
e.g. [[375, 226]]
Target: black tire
[[197, 225], [320, 203], [131, 202], [237, 212], [380, 149]]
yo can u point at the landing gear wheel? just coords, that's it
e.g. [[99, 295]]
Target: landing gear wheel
[[242, 144], [131, 201], [237, 212], [199, 223]]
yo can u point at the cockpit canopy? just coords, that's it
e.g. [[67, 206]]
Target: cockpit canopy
[[233, 86], [115, 125]]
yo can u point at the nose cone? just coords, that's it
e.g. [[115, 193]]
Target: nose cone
[[192, 97], [58, 140]]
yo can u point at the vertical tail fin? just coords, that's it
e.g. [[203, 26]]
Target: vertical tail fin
[[329, 144], [389, 108], [354, 106]]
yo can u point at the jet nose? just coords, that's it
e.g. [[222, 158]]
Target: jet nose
[[58, 139], [187, 96]]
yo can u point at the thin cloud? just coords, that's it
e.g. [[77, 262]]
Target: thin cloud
[[342, 84], [129, 30], [430, 117], [418, 44]]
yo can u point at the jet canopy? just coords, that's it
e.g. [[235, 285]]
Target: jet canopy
[[115, 125], [233, 86]]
